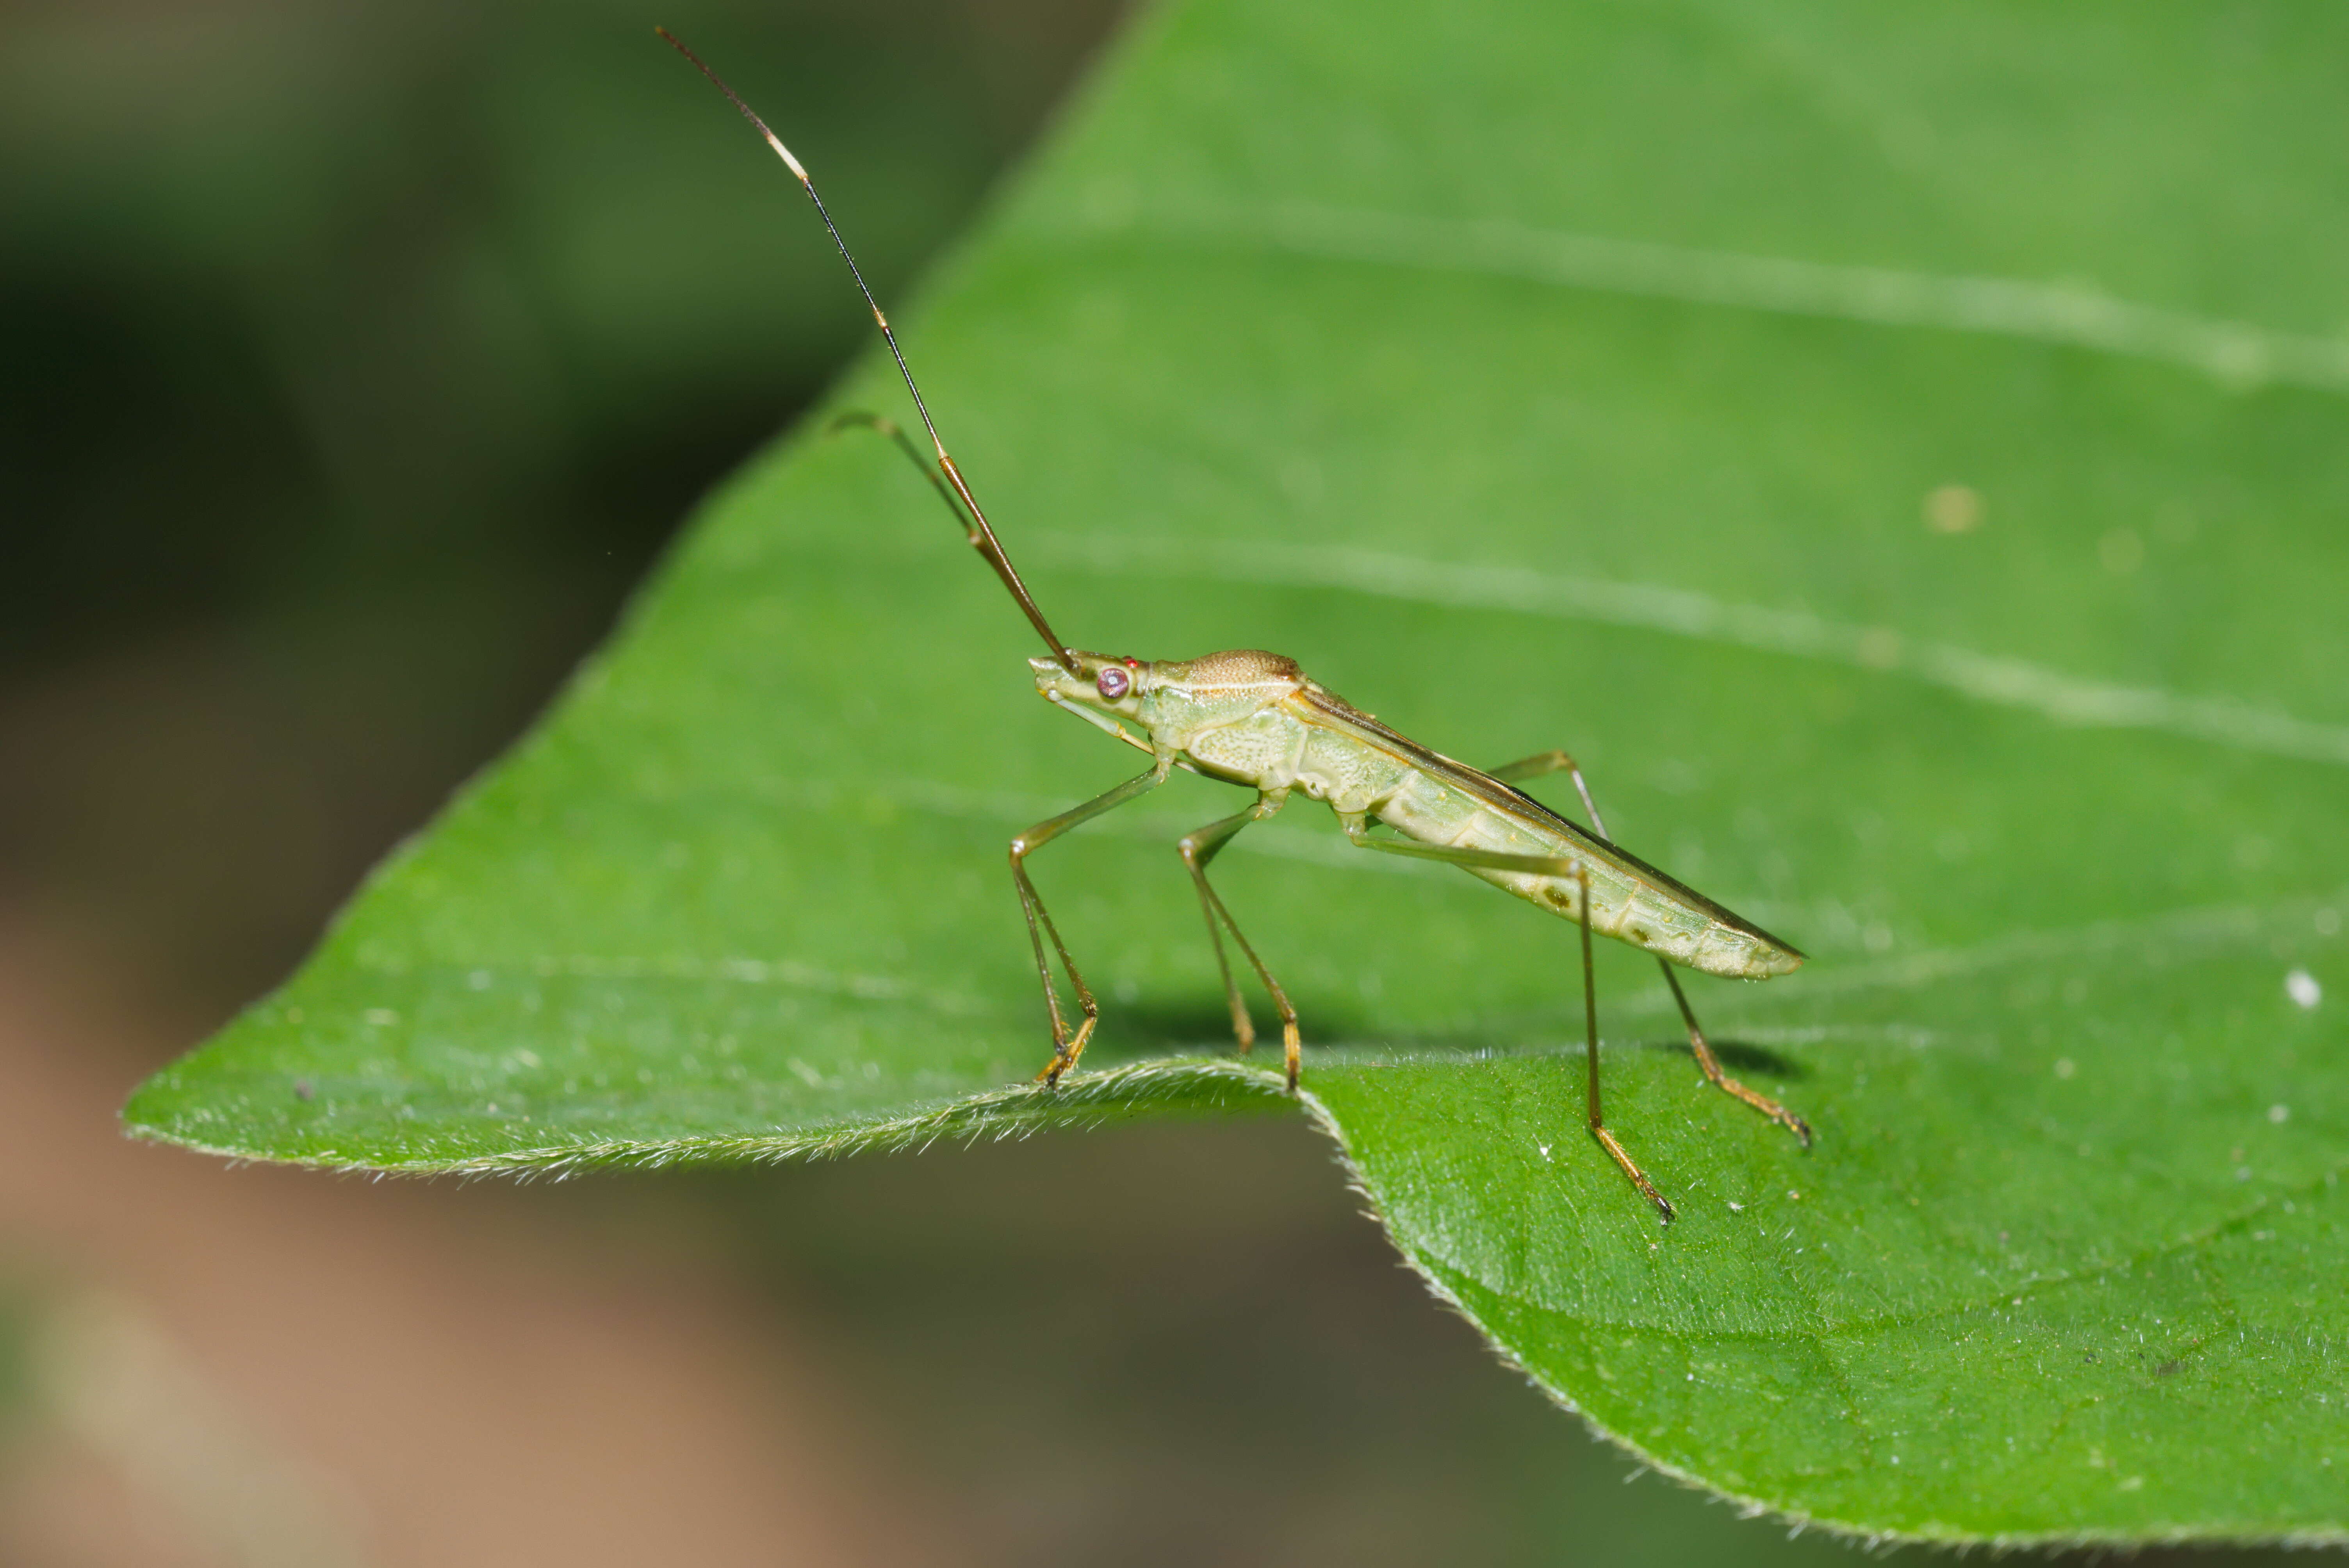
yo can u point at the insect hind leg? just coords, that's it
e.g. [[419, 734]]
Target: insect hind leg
[[1590, 1019], [1720, 1080], [1557, 761], [1549, 866]]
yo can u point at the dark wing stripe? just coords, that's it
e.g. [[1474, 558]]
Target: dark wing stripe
[[1510, 802]]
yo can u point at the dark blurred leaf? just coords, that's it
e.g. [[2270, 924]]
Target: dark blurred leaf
[[1902, 456]]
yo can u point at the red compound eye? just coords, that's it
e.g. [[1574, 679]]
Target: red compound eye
[[1114, 682]]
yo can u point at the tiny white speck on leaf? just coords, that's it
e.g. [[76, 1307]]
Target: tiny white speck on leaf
[[2302, 988], [2278, 1113], [2064, 1067]]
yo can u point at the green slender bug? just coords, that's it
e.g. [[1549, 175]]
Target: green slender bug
[[1256, 719]]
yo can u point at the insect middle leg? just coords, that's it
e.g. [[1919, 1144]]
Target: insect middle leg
[[1067, 1048], [1551, 866], [1198, 849], [1556, 761]]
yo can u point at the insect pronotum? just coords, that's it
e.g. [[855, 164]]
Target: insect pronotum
[[1256, 719]]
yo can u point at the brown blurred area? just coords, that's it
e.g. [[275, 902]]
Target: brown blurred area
[[360, 357]]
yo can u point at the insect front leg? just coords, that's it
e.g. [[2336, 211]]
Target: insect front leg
[[956, 496], [1359, 831], [1068, 1047], [1197, 849], [1556, 761]]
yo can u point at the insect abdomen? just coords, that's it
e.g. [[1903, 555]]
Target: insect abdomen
[[1349, 775], [1622, 905]]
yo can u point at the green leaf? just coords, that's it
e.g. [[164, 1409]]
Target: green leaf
[[1900, 453]]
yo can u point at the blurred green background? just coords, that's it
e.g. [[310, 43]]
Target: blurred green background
[[361, 357]]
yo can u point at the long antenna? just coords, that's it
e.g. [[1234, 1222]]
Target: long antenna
[[982, 537]]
